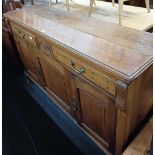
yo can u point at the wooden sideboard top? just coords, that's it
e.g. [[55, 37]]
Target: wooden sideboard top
[[123, 51]]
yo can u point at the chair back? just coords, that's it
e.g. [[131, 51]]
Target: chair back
[[8, 5]]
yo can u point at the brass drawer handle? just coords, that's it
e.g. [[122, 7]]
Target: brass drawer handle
[[75, 106], [80, 71], [21, 34]]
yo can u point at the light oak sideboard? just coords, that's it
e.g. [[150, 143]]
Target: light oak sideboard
[[101, 77]]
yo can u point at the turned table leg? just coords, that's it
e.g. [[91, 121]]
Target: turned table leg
[[91, 6], [113, 3], [32, 2], [94, 3], [120, 7], [49, 2], [67, 3], [147, 3]]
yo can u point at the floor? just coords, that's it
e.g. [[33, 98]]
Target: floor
[[142, 142], [34, 125], [133, 17], [15, 138]]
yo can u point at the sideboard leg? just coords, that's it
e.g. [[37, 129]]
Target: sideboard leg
[[120, 129]]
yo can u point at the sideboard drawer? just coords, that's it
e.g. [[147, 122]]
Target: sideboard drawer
[[45, 48], [20, 32], [84, 69]]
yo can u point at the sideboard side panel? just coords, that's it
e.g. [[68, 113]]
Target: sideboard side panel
[[139, 101]]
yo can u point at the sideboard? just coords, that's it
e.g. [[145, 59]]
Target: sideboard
[[101, 77]]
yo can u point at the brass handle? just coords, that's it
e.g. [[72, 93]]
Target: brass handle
[[80, 71], [21, 34], [75, 106]]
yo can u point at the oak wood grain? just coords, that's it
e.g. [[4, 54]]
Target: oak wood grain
[[95, 110], [116, 82], [123, 51], [55, 80]]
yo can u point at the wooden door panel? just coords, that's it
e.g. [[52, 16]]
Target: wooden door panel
[[96, 110], [94, 115], [55, 80], [92, 112], [36, 67], [25, 54], [29, 59], [92, 89]]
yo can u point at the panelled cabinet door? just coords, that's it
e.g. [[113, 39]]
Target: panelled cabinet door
[[29, 60], [56, 81], [24, 53], [94, 110]]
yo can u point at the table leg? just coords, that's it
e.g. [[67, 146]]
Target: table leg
[[67, 3], [147, 3], [91, 7], [120, 7]]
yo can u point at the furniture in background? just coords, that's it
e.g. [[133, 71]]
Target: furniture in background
[[8, 5], [51, 1], [9, 46], [32, 2], [68, 8], [8, 42], [91, 5], [26, 1], [120, 8], [67, 4], [140, 3]]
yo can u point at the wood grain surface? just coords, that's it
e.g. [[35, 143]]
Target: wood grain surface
[[122, 51]]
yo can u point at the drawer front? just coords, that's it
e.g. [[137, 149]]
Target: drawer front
[[23, 34], [44, 47], [84, 69]]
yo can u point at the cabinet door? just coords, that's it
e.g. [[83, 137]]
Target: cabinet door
[[94, 110], [29, 60], [56, 81]]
